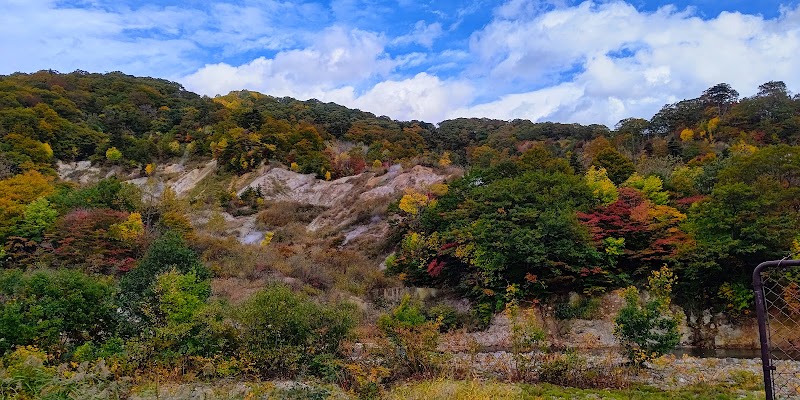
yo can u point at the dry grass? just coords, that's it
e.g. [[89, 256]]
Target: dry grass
[[294, 253], [281, 213], [236, 290]]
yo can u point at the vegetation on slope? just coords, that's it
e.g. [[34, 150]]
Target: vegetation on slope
[[708, 187]]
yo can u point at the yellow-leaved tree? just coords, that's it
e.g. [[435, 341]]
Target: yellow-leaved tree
[[601, 185], [413, 201], [129, 229], [687, 135], [651, 186], [15, 193], [113, 154], [445, 161]]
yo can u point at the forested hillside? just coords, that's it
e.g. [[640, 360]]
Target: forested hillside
[[708, 187]]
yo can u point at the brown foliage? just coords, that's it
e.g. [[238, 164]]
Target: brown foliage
[[83, 239]]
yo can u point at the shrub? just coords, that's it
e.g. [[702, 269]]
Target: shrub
[[56, 310], [583, 308], [310, 273], [113, 154], [113, 348], [166, 253], [449, 318], [573, 370], [282, 332], [186, 329], [526, 336], [91, 240], [281, 213], [413, 340], [647, 331]]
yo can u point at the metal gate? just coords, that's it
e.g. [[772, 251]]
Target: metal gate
[[777, 296]]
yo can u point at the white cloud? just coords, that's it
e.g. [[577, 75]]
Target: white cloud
[[423, 34], [147, 40], [629, 62], [514, 9], [537, 59], [38, 35], [624, 63], [336, 58], [423, 97], [532, 105], [313, 73]]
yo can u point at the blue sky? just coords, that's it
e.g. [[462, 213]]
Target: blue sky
[[557, 60]]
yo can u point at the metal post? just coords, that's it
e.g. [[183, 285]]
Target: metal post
[[766, 364], [763, 329]]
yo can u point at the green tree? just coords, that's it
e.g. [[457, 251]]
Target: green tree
[[55, 310], [602, 187], [736, 228], [284, 333], [15, 193], [651, 186], [618, 166], [184, 324], [647, 330], [168, 252], [39, 216], [514, 224], [721, 96], [108, 193]]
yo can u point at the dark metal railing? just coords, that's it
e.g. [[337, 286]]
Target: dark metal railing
[[777, 297]]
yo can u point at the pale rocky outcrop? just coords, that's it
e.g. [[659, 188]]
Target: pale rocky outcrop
[[283, 184], [186, 181], [82, 171], [707, 330], [341, 196], [396, 181]]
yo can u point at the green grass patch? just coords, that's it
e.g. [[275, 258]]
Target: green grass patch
[[469, 390]]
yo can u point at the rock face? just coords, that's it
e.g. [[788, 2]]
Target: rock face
[[175, 176], [708, 330], [81, 172], [349, 202], [188, 180], [282, 184], [342, 198], [397, 180]]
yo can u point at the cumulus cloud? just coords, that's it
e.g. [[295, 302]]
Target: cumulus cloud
[[337, 58], [629, 63], [423, 34], [532, 105], [537, 59], [589, 63], [165, 41], [303, 75], [39, 35], [423, 97]]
